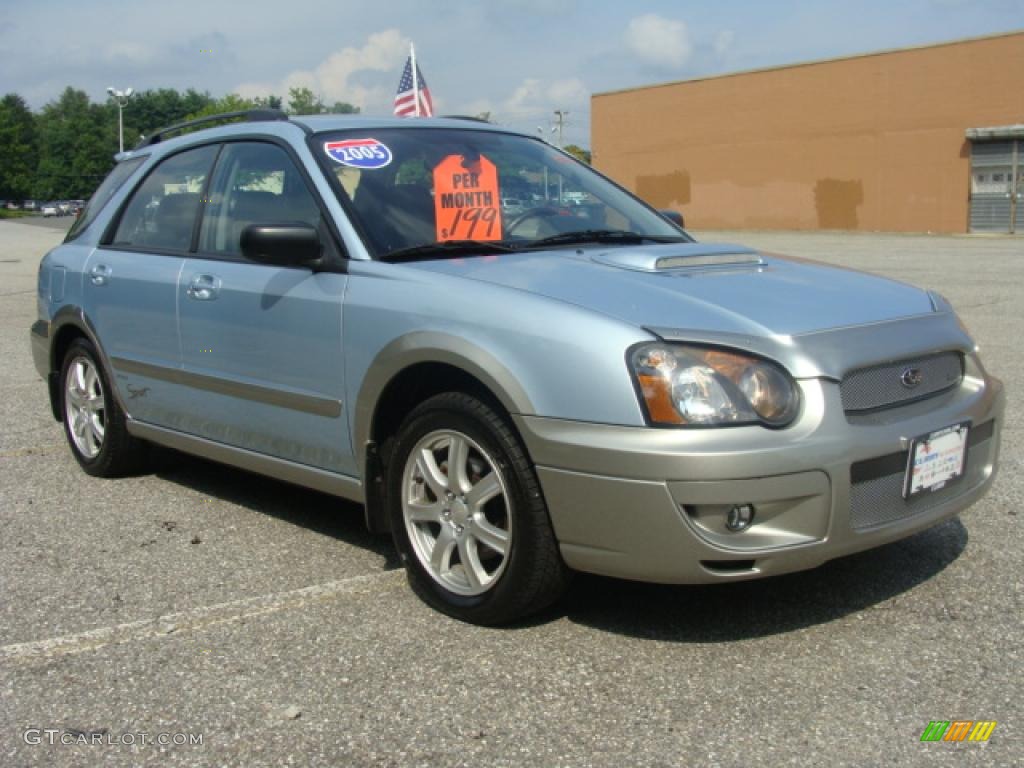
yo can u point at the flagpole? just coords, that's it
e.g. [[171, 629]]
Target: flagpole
[[415, 78]]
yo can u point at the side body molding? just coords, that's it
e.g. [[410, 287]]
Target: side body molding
[[327, 482]]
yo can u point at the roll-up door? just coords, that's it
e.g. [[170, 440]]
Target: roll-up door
[[996, 186]]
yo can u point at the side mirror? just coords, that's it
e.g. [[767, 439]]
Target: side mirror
[[284, 244], [674, 216]]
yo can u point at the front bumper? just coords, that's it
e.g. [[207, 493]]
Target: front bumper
[[648, 504]]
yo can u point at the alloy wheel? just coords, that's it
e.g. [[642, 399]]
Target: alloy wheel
[[457, 513], [85, 406]]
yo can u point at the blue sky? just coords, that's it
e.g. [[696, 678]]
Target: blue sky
[[518, 59]]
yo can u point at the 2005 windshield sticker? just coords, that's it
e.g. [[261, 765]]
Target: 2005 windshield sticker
[[467, 205], [365, 154]]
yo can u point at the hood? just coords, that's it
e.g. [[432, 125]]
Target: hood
[[705, 287]]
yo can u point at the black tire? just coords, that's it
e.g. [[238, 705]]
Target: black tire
[[119, 453], [533, 575]]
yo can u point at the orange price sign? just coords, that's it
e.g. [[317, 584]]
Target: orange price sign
[[467, 203]]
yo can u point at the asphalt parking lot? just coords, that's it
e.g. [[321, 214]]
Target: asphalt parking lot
[[205, 601]]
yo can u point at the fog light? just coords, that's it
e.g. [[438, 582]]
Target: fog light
[[740, 517]]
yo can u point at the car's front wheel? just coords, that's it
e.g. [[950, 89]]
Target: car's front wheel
[[468, 516], [93, 421]]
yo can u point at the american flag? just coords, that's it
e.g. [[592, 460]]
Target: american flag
[[405, 99]]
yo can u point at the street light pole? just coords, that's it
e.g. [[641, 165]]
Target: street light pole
[[118, 96], [560, 115]]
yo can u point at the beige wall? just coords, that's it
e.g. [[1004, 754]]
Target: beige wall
[[874, 142]]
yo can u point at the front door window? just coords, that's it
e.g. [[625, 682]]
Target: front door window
[[255, 183]]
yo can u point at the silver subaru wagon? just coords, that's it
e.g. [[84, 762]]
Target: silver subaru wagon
[[573, 384]]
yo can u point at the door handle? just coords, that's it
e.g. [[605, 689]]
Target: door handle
[[204, 288], [99, 274]]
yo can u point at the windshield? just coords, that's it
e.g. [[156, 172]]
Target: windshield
[[421, 190]]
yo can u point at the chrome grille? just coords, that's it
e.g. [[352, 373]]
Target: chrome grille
[[881, 386], [880, 501]]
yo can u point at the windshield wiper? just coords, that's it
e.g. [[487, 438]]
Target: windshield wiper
[[622, 236], [446, 249]]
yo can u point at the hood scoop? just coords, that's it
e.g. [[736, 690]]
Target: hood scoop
[[680, 257]]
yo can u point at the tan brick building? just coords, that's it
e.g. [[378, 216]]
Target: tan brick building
[[927, 139]]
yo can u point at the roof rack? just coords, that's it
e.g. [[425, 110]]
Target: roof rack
[[467, 117], [247, 115]]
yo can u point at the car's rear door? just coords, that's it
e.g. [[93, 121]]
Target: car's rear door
[[261, 344], [130, 284]]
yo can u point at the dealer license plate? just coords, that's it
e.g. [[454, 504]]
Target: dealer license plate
[[936, 460]]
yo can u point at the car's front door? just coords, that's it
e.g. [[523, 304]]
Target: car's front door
[[130, 284], [261, 344]]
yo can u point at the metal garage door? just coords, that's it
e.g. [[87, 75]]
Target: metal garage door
[[997, 186]]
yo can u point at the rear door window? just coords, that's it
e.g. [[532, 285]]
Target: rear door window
[[162, 212]]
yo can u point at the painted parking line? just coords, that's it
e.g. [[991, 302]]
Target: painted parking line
[[173, 624], [43, 450]]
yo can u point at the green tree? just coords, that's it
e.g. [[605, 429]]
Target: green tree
[[18, 151], [302, 101], [343, 108], [150, 110], [270, 102], [578, 152], [232, 102], [66, 149], [77, 142]]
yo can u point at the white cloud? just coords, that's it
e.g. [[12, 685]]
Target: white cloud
[[535, 96], [332, 79], [129, 53], [531, 105], [657, 40], [525, 96], [570, 92], [723, 42]]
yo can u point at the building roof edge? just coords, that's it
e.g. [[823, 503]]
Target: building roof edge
[[808, 63]]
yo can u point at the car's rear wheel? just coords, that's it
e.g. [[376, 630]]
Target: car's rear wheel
[[468, 516], [93, 421]]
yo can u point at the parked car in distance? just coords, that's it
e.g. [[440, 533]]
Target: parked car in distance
[[49, 209], [344, 303], [511, 205], [30, 205]]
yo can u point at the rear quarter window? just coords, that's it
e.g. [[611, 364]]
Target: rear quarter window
[[114, 181]]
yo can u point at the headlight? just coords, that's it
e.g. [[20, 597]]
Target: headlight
[[682, 385]]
